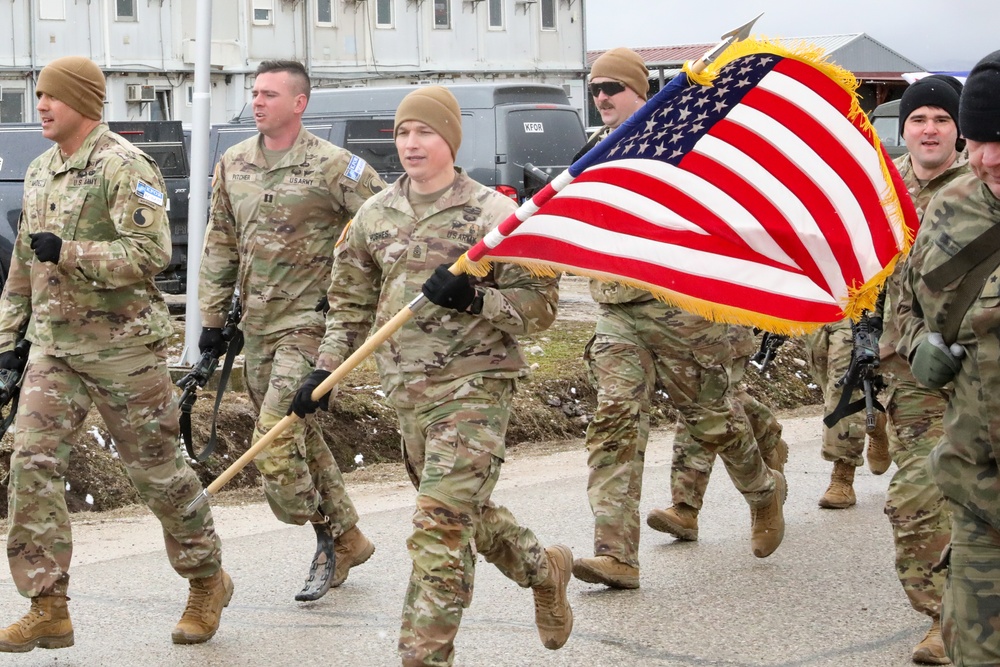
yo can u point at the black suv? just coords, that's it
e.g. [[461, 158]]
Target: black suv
[[20, 143]]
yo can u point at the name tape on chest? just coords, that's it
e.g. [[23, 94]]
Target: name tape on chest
[[355, 168], [149, 193]]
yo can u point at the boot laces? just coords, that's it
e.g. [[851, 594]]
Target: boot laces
[[34, 616], [547, 594], [199, 596]]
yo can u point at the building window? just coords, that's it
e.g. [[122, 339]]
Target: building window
[[189, 94], [496, 14], [263, 12], [383, 13], [124, 10], [11, 105], [548, 14], [324, 13], [161, 110], [442, 14], [52, 10]]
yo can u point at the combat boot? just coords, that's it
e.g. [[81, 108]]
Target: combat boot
[[777, 457], [767, 523], [878, 447], [606, 570], [840, 493], [352, 549], [930, 650], [681, 521], [46, 625], [553, 615], [206, 598]]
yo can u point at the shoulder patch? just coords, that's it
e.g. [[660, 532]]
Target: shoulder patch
[[343, 234], [355, 168], [148, 193], [142, 217]]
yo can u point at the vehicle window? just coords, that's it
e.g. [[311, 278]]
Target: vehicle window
[[18, 149], [372, 141], [545, 137], [170, 157], [887, 129]]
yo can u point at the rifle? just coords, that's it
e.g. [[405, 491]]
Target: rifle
[[861, 374], [202, 372], [10, 384], [769, 345]]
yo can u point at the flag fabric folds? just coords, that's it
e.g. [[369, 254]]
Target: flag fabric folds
[[755, 192]]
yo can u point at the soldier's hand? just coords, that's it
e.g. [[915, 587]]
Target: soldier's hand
[[46, 246], [934, 363], [323, 305], [9, 360], [447, 290], [303, 403], [211, 340]]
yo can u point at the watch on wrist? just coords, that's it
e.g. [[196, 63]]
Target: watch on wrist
[[476, 307]]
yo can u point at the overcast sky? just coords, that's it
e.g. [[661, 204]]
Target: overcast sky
[[937, 34]]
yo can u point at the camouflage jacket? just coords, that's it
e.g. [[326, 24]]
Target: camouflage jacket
[[106, 202], [920, 193], [271, 231], [964, 463], [384, 259]]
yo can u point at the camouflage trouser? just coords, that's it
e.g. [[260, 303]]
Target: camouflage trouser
[[300, 475], [916, 509], [829, 351], [636, 346], [970, 613], [692, 463], [132, 390], [453, 452]]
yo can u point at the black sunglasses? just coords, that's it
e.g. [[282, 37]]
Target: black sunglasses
[[609, 88]]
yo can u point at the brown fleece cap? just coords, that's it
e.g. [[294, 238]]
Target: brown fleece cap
[[623, 65], [436, 107], [75, 81]]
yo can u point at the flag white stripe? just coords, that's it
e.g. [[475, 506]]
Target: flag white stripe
[[685, 260], [629, 202]]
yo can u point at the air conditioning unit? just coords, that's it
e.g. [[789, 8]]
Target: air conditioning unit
[[135, 92]]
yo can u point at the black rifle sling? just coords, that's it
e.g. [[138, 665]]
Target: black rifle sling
[[847, 407], [972, 283], [233, 350]]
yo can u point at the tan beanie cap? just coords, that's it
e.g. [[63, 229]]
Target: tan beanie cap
[[623, 65], [436, 107], [75, 81]]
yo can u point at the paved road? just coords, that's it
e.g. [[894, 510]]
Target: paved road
[[828, 596]]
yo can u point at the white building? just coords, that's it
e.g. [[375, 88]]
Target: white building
[[146, 47]]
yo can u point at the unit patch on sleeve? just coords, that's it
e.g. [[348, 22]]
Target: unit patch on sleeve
[[142, 217], [355, 168], [148, 193]]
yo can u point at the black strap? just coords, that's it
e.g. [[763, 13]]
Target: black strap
[[981, 248], [846, 407], [968, 290], [232, 351]]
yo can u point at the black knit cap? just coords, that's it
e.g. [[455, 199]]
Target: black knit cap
[[980, 106], [937, 90]]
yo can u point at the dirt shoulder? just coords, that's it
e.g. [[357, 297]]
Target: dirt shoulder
[[552, 407]]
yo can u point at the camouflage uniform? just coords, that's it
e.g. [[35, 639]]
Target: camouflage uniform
[[98, 328], [271, 234], [692, 463], [638, 342], [450, 377], [916, 509], [829, 351], [964, 462]]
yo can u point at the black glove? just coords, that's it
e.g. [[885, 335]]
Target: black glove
[[46, 246], [9, 360], [447, 290], [211, 339], [323, 305], [303, 403]]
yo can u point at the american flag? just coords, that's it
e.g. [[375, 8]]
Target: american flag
[[763, 198]]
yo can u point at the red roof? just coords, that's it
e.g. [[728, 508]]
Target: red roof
[[663, 55]]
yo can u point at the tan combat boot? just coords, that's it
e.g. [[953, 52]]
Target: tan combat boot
[[930, 650], [840, 493], [46, 625], [777, 457], [206, 598], [606, 570], [681, 521], [767, 523], [553, 615], [878, 447], [352, 549]]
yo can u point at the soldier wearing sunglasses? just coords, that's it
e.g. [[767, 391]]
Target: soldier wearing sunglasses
[[616, 98]]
